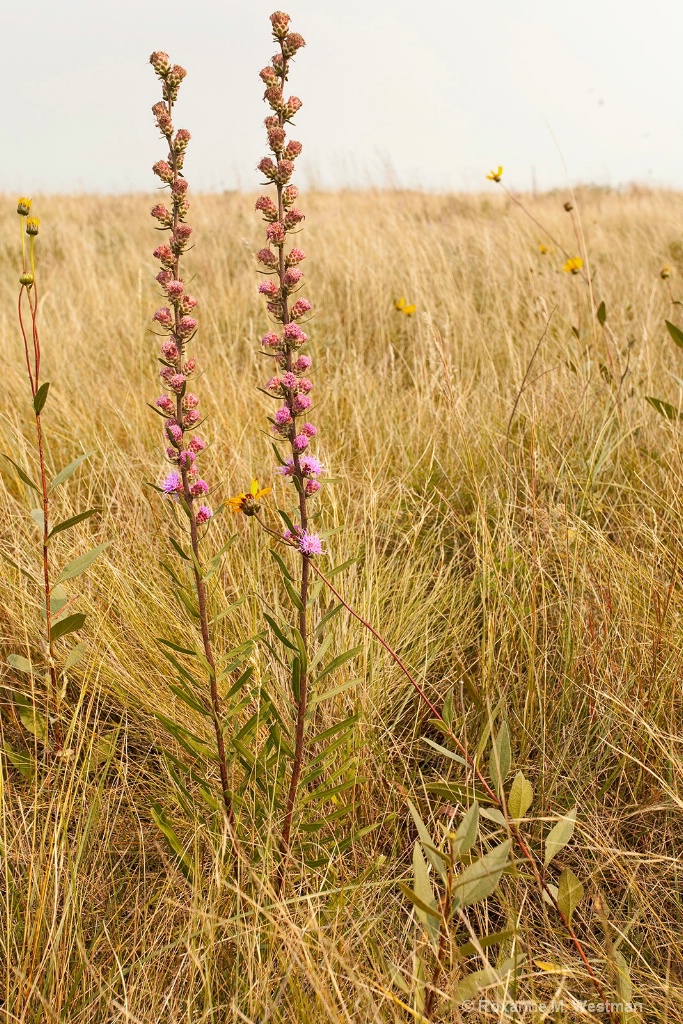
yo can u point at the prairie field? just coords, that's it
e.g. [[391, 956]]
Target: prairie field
[[510, 507]]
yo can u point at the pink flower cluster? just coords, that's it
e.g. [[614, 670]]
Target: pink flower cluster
[[291, 384], [177, 405]]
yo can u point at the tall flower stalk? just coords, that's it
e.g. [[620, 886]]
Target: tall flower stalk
[[290, 384], [178, 405], [28, 294]]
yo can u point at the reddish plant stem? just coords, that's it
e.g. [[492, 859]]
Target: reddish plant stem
[[34, 382], [302, 702], [194, 532], [528, 856]]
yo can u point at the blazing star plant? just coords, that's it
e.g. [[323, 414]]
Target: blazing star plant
[[178, 406]]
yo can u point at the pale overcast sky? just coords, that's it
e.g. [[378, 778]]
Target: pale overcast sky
[[429, 94]]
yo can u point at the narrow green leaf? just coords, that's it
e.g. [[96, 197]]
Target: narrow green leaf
[[431, 918], [176, 647], [280, 561], [293, 596], [83, 562], [26, 479], [501, 757], [178, 549], [22, 762], [427, 841], [466, 834], [444, 750], [68, 625], [20, 664], [474, 983], [337, 663], [66, 524], [41, 398], [30, 717], [75, 655], [161, 819], [65, 473], [38, 517], [569, 893], [521, 796], [664, 409], [480, 879], [559, 836], [279, 634], [675, 332]]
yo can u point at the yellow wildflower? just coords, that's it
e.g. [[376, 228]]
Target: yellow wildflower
[[249, 502], [495, 175], [572, 265], [403, 306], [665, 272], [543, 249], [23, 206]]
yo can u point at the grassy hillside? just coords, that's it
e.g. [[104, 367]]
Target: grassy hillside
[[513, 506]]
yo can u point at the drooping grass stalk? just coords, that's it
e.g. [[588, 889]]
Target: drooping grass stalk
[[178, 405], [29, 292], [290, 386]]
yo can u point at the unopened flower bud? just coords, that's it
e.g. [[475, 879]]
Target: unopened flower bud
[[160, 62], [267, 168], [276, 233], [294, 256], [292, 277], [290, 108], [280, 22], [163, 171], [182, 137], [267, 207], [269, 77], [293, 217], [164, 255], [267, 257], [275, 98], [293, 149], [163, 215], [186, 326], [276, 138], [26, 279], [292, 43], [32, 225], [23, 206], [163, 316], [300, 308], [285, 169]]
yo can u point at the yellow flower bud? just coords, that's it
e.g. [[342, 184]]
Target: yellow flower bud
[[32, 225], [23, 206]]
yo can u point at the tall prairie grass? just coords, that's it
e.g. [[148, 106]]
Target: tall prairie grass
[[531, 558]]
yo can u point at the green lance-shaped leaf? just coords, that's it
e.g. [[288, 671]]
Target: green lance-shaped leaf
[[602, 314], [521, 796], [569, 893], [480, 879], [22, 475], [41, 398], [664, 409], [466, 833], [474, 983], [675, 332], [428, 843], [161, 819], [80, 564], [624, 983], [424, 891], [30, 717], [559, 836], [65, 473], [75, 655], [66, 524], [68, 625], [20, 664], [19, 760], [501, 757]]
